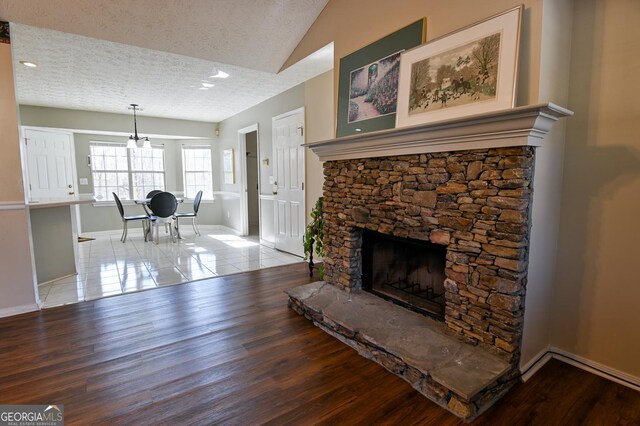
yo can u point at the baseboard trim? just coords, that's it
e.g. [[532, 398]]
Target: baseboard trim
[[17, 310], [596, 368], [57, 279], [227, 229], [137, 229], [582, 363], [536, 363], [206, 226], [111, 232]]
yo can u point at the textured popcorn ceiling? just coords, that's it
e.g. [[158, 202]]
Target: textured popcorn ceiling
[[257, 34], [86, 73]]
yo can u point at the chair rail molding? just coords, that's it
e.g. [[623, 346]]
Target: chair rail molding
[[12, 205]]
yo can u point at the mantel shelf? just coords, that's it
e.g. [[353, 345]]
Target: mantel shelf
[[520, 126]]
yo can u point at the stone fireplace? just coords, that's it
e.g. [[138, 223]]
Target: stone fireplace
[[435, 218], [474, 204]]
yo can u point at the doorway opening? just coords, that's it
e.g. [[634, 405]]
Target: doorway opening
[[249, 180], [253, 188]]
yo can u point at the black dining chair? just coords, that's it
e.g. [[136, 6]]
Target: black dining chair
[[152, 193], [148, 197], [163, 206], [190, 215], [126, 219]]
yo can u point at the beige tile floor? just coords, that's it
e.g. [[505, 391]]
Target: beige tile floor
[[107, 267]]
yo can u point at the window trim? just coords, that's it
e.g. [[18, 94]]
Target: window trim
[[185, 147], [129, 170]]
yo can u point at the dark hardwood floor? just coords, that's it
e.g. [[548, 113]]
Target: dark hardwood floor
[[229, 351]]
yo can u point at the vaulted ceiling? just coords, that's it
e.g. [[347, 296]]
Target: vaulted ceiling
[[104, 54], [256, 34]]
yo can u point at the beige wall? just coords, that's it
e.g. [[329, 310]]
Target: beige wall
[[596, 313], [318, 103], [11, 188], [17, 286], [354, 24]]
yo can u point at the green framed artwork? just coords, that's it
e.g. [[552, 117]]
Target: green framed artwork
[[368, 82]]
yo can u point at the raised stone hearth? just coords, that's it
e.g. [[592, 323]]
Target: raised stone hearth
[[465, 186], [460, 377]]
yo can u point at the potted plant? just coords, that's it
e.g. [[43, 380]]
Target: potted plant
[[313, 240]]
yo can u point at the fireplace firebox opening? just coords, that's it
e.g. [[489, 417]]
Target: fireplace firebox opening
[[405, 271]]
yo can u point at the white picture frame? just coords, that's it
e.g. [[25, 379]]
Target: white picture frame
[[228, 168], [467, 72]]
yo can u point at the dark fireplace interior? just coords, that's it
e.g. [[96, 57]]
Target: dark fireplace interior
[[406, 271]]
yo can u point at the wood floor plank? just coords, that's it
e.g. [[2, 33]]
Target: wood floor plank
[[228, 350]]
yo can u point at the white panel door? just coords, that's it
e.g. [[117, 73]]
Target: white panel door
[[288, 155], [49, 164]]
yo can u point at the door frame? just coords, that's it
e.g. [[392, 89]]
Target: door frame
[[242, 181], [74, 168], [304, 164], [25, 161]]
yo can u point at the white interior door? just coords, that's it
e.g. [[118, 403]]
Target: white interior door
[[288, 156], [50, 164]]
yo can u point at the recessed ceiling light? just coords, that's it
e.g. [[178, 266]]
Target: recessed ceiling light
[[203, 88], [220, 74], [28, 64], [207, 85]]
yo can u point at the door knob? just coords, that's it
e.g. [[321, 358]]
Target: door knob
[[71, 193]]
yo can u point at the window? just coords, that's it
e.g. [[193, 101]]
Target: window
[[147, 170], [109, 166], [130, 173], [196, 163]]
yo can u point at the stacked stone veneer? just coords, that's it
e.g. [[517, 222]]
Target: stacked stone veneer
[[476, 203]]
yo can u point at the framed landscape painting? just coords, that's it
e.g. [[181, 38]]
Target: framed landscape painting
[[368, 84], [467, 72]]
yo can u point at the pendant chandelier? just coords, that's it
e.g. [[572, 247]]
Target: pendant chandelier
[[134, 140]]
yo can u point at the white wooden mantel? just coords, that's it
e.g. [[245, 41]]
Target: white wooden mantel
[[519, 126]]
